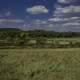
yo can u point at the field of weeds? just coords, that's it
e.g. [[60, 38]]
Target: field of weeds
[[40, 64]]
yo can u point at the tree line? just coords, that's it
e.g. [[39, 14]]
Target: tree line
[[36, 38], [11, 32]]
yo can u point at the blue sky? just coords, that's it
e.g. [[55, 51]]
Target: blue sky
[[57, 15]]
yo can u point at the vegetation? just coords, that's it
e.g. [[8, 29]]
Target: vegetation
[[27, 63], [16, 38], [40, 64]]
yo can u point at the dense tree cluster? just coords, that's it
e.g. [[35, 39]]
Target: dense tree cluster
[[52, 34]]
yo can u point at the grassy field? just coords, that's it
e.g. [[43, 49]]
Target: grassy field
[[40, 64]]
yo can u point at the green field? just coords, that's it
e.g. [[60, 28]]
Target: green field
[[40, 64]]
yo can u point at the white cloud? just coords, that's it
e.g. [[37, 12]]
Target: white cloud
[[7, 13], [50, 25], [74, 18], [72, 24], [40, 21], [11, 21], [65, 17], [2, 20], [69, 9], [62, 19], [16, 20], [57, 19], [66, 1], [39, 9]]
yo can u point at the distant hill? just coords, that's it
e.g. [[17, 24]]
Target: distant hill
[[10, 29]]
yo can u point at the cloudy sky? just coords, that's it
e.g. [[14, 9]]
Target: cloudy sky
[[56, 15]]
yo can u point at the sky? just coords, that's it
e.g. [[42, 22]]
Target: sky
[[55, 15]]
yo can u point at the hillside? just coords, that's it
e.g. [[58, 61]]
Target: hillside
[[9, 29]]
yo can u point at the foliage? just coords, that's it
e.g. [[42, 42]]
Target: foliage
[[15, 38]]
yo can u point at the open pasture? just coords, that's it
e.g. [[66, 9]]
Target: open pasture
[[40, 64]]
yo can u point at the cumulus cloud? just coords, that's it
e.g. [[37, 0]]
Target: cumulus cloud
[[74, 18], [66, 10], [72, 24], [2, 20], [62, 19], [66, 1], [66, 17], [39, 9], [40, 22], [11, 21], [57, 19], [51, 25]]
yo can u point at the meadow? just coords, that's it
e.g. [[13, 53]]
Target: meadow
[[40, 64]]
